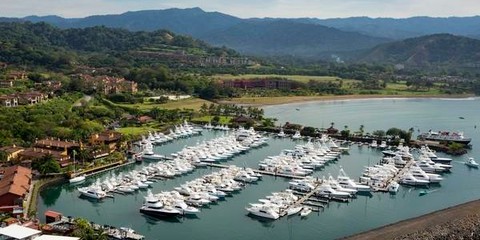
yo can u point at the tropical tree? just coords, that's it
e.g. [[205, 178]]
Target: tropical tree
[[361, 129], [85, 231]]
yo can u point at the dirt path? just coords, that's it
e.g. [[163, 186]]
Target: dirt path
[[412, 225]]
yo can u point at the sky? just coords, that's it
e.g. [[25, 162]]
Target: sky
[[248, 8]]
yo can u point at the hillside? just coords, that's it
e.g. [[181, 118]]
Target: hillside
[[44, 45], [191, 21], [438, 49], [254, 36], [285, 37], [404, 28]]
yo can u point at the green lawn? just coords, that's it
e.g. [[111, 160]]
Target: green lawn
[[299, 78], [191, 103], [223, 119], [135, 131]]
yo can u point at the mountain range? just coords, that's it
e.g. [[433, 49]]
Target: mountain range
[[300, 37]]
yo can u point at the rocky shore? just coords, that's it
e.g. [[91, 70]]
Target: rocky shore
[[458, 222], [460, 228]]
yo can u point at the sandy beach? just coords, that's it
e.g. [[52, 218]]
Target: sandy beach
[[264, 101], [456, 222]]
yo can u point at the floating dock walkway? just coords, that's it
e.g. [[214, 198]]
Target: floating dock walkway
[[396, 177], [276, 174]]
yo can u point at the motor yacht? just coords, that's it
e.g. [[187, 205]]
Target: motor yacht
[[92, 192], [409, 179], [264, 210], [297, 135], [471, 163]]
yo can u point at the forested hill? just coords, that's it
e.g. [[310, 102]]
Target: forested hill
[[284, 37], [36, 43], [437, 49], [251, 36]]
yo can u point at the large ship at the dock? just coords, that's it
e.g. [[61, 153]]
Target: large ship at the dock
[[445, 136]]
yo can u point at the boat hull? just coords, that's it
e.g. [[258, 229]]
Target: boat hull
[[159, 214]]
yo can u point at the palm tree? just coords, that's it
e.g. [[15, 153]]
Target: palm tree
[[361, 129]]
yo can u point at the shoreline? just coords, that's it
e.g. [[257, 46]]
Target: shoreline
[[422, 223], [271, 101]]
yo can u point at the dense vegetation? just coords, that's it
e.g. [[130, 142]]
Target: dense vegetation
[[46, 46]]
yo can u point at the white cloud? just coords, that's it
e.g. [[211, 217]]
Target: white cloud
[[248, 8]]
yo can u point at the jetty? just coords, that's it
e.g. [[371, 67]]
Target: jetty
[[396, 177], [103, 168], [276, 174], [57, 223]]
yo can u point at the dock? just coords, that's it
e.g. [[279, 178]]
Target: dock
[[396, 177], [66, 223], [275, 174], [104, 168]]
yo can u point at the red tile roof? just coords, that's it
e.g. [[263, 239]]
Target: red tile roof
[[16, 180]]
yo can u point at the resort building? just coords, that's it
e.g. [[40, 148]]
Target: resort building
[[109, 85], [31, 154], [109, 141], [11, 152], [30, 98], [14, 187], [10, 100], [60, 150]]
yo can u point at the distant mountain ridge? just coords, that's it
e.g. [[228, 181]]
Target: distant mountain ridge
[[437, 49], [299, 37], [290, 38], [407, 27], [271, 38]]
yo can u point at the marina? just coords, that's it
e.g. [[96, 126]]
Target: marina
[[329, 215]]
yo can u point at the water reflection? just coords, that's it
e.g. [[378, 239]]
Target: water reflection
[[265, 222], [51, 195]]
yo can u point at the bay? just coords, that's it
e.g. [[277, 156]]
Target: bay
[[228, 219]]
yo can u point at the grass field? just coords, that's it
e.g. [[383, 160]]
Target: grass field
[[135, 131], [223, 119], [299, 78], [191, 103], [259, 101]]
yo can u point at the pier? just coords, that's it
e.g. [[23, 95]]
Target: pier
[[104, 168], [276, 174], [63, 223], [396, 177]]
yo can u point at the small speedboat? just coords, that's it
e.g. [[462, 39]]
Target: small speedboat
[[305, 211], [293, 210], [393, 187], [471, 163], [77, 179]]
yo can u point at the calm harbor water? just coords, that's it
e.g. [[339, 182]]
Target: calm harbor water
[[228, 219]]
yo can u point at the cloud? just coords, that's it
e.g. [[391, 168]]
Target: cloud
[[248, 8]]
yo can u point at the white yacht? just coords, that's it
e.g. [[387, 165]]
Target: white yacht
[[92, 193], [264, 210], [154, 207], [409, 179], [305, 211], [325, 190], [293, 210], [281, 133], [393, 187], [184, 208], [471, 162], [297, 135], [347, 182], [77, 179]]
